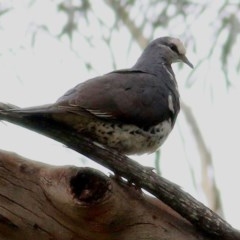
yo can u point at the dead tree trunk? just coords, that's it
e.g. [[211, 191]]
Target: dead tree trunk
[[39, 201]]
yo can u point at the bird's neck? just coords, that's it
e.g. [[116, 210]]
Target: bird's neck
[[153, 67], [159, 68]]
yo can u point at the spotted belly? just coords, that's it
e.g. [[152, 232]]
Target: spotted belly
[[130, 139]]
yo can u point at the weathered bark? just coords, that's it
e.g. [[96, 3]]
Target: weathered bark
[[39, 201]]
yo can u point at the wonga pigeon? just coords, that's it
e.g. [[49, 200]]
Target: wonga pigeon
[[131, 110]]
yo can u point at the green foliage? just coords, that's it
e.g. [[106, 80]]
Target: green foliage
[[72, 10]]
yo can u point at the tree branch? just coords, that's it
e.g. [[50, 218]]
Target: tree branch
[[135, 31], [169, 193], [208, 181]]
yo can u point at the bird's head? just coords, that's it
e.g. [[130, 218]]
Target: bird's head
[[171, 50]]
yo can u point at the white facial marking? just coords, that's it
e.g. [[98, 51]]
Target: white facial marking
[[179, 45], [170, 103]]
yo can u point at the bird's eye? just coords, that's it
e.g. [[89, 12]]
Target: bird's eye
[[174, 48]]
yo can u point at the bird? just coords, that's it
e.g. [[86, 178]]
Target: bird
[[130, 110]]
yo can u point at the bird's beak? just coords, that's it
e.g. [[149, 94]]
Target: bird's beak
[[185, 60]]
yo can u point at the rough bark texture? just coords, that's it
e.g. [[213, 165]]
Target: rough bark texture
[[38, 201]]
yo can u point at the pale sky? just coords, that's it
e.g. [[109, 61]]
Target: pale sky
[[34, 76]]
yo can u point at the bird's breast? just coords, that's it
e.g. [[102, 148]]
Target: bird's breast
[[129, 138]]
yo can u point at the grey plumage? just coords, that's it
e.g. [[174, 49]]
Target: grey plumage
[[131, 110]]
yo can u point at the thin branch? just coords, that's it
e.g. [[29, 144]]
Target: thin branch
[[208, 176], [133, 29]]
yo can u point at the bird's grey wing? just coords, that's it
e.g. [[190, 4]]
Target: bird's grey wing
[[129, 96]]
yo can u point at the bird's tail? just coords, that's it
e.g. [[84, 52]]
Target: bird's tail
[[14, 114], [35, 118], [46, 118]]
